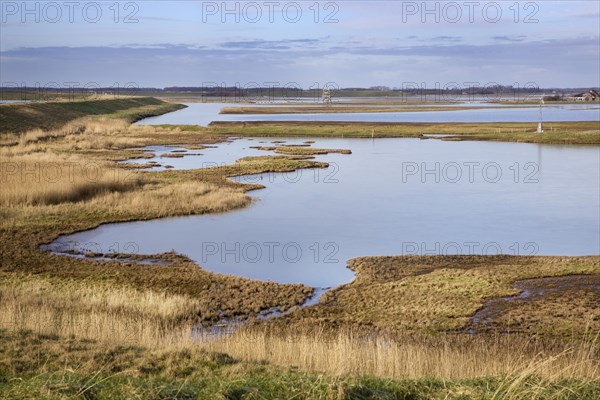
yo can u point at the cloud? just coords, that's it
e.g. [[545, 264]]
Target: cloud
[[448, 38], [505, 38], [269, 44], [587, 15], [162, 19], [513, 52], [158, 46], [547, 62]]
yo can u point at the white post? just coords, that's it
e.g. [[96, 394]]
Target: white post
[[540, 128]]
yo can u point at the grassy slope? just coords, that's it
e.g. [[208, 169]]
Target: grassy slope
[[27, 116], [48, 367]]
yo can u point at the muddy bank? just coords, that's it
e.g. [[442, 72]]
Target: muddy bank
[[531, 291]]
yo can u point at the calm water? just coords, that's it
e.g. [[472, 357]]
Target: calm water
[[389, 197], [224, 153], [194, 114], [205, 113]]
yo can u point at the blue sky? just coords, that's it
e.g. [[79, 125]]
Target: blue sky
[[362, 43]]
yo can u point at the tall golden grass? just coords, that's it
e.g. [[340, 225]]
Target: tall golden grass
[[80, 134], [104, 133], [48, 178], [162, 321], [34, 173], [177, 198], [448, 357], [109, 314]]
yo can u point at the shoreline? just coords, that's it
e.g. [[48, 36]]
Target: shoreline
[[390, 302], [334, 109], [587, 133], [440, 258]]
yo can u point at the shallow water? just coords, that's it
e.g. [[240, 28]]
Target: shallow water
[[223, 154], [205, 113], [389, 197]]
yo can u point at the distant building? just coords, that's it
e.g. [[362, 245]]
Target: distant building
[[592, 95]]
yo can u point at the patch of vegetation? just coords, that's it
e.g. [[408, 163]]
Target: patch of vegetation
[[51, 367], [442, 293], [24, 117], [555, 132], [300, 150]]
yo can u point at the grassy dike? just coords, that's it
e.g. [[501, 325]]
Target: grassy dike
[[24, 117], [91, 329]]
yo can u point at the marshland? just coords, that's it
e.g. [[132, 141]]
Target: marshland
[[139, 315], [325, 200]]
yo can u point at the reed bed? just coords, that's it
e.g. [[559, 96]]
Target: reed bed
[[165, 321], [48, 178]]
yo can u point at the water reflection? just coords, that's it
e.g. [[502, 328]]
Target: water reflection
[[204, 113], [391, 196]]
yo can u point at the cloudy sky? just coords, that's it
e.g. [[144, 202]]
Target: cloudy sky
[[351, 43]]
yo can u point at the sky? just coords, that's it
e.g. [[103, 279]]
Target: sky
[[346, 43]]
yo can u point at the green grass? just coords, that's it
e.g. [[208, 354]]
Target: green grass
[[51, 115], [34, 366], [436, 294]]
